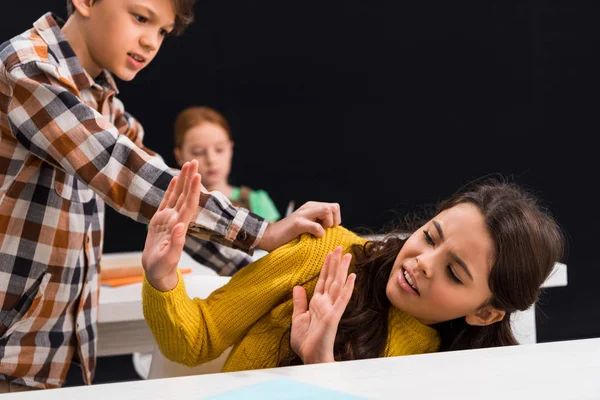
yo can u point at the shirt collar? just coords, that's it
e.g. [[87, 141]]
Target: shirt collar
[[48, 27]]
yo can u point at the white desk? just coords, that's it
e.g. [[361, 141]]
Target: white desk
[[121, 325], [548, 371]]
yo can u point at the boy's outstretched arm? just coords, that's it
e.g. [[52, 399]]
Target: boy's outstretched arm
[[53, 124], [50, 121], [312, 217]]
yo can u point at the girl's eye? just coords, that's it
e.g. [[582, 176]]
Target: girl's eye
[[428, 238], [453, 276], [139, 18], [163, 32]]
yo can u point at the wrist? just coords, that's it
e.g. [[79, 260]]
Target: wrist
[[165, 283], [265, 242], [318, 358]]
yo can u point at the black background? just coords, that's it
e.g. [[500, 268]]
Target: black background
[[386, 105]]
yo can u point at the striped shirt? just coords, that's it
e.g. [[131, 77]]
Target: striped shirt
[[67, 148]]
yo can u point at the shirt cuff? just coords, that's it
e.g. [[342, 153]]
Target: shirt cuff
[[219, 222], [246, 230]]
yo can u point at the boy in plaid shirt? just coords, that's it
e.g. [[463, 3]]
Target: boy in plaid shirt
[[67, 148]]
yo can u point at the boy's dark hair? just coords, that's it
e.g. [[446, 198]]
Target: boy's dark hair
[[184, 13]]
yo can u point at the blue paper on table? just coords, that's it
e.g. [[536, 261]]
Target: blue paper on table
[[284, 389]]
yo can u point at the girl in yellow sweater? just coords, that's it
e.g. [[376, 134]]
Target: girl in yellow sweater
[[452, 284]]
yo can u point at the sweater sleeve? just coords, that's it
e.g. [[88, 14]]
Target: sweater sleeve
[[194, 331]]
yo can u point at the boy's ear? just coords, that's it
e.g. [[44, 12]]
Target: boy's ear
[[83, 7], [486, 315], [178, 158]]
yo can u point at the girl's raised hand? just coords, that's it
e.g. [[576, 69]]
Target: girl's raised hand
[[314, 327], [168, 227]]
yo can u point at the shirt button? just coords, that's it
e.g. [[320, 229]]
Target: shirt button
[[242, 236]]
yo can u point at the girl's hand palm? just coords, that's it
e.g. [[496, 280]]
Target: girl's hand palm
[[166, 233], [314, 329]]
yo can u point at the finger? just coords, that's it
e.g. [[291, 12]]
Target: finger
[[327, 219], [344, 298], [334, 291], [341, 275], [193, 167], [300, 302], [186, 188], [337, 215], [342, 271], [323, 275], [314, 211], [176, 243], [192, 200], [179, 186], [168, 194], [314, 228], [305, 206], [334, 263]]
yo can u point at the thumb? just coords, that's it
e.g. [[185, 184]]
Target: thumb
[[300, 302]]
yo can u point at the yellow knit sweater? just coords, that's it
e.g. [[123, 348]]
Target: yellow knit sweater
[[253, 311]]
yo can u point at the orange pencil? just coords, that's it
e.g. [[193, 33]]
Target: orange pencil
[[116, 282]]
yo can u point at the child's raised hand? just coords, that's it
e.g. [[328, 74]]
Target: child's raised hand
[[314, 329], [168, 227], [312, 217]]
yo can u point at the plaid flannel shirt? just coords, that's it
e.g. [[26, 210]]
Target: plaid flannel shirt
[[67, 147]]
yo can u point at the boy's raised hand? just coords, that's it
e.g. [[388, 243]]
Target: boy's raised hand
[[314, 327], [168, 227], [313, 217]]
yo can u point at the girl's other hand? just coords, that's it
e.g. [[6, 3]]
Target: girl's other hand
[[314, 327], [168, 227]]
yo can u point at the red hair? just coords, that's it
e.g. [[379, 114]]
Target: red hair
[[194, 116]]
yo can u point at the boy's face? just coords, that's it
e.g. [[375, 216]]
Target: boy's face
[[123, 36]]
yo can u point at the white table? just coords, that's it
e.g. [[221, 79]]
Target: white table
[[121, 325], [560, 370]]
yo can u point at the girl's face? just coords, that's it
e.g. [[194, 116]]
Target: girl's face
[[442, 271], [210, 145]]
